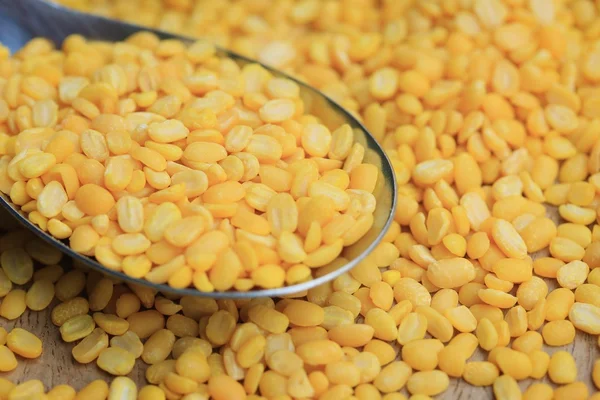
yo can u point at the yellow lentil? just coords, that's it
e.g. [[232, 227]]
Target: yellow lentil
[[559, 302], [116, 361], [540, 361], [393, 377], [480, 373], [24, 343], [69, 309], [558, 333], [40, 295], [145, 323], [9, 361], [505, 387], [514, 363], [13, 305], [122, 388], [29, 389], [90, 347], [97, 389], [62, 392], [429, 383], [422, 354], [562, 368]]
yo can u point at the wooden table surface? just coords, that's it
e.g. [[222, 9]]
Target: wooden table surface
[[56, 365]]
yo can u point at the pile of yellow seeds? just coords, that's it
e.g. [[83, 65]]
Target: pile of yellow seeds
[[177, 166], [489, 112]]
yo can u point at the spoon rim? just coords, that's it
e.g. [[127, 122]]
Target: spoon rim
[[371, 143]]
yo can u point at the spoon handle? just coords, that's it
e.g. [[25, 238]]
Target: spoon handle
[[22, 20]]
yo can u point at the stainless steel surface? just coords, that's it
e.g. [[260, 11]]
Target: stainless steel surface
[[21, 20]]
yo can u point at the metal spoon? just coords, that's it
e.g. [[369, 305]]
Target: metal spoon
[[22, 20]]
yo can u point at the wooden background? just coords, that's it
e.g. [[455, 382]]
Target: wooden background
[[56, 365]]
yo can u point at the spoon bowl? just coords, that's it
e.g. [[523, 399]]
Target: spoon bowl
[[23, 20]]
